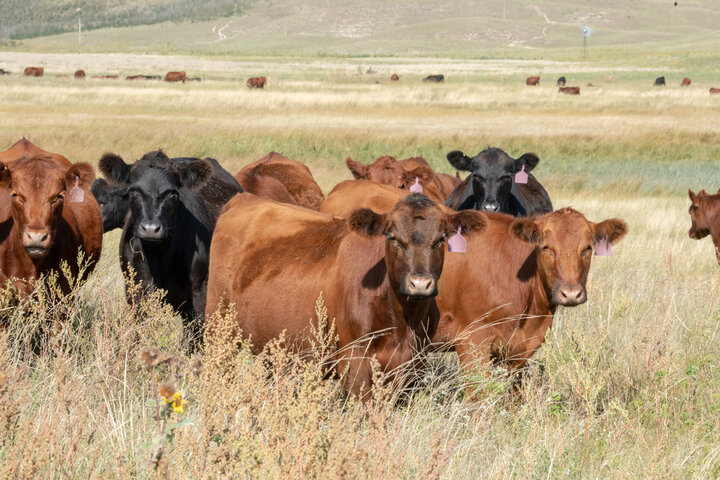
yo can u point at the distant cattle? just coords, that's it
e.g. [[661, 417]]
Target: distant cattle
[[497, 301], [4, 72], [377, 274], [175, 77], [194, 79], [174, 205], [714, 90], [47, 216], [532, 81], [705, 217], [591, 85], [685, 82], [106, 77], [80, 74], [491, 185], [294, 176], [143, 77], [659, 82], [256, 82], [394, 77], [569, 90], [34, 72], [434, 78], [561, 82], [263, 186]]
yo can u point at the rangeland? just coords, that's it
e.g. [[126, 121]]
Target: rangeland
[[626, 385]]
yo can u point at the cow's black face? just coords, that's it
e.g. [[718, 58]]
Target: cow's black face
[[114, 203], [492, 173]]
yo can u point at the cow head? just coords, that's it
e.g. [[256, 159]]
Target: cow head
[[702, 206], [385, 170], [153, 184], [563, 242], [492, 172], [38, 187], [114, 203], [416, 230]]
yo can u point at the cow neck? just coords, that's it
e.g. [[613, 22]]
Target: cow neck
[[415, 312], [539, 310]]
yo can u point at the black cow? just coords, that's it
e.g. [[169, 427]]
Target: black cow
[[114, 203], [561, 82], [4, 72], [174, 205], [491, 187], [434, 78], [659, 82]]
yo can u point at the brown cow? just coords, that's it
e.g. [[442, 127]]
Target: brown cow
[[263, 186], [705, 217], [377, 274], [532, 81], [497, 301], [47, 214], [350, 195], [135, 77], [80, 75], [175, 77], [106, 77], [714, 90], [569, 90], [394, 77], [256, 82], [34, 72], [685, 82], [294, 176]]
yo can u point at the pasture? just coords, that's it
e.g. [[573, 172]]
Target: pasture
[[626, 385]]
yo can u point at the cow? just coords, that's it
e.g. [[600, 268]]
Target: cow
[[491, 187], [295, 176], [194, 79], [256, 82], [685, 82], [79, 74], [714, 91], [434, 78], [4, 72], [114, 202], [47, 216], [263, 186], [174, 205], [394, 77], [175, 77], [349, 195], [561, 82], [532, 81], [106, 77], [705, 217], [497, 300], [34, 72], [569, 90], [135, 77], [377, 274], [659, 82]]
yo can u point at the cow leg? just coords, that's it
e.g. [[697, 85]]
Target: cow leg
[[199, 279]]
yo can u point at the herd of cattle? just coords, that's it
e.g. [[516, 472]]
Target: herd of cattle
[[394, 251], [659, 82]]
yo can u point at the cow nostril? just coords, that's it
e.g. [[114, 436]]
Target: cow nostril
[[579, 294], [44, 237]]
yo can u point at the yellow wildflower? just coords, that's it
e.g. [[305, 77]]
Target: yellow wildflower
[[176, 402]]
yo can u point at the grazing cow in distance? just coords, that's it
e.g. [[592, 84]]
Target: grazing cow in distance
[[256, 82], [561, 82], [4, 72], [659, 82], [175, 77], [377, 272], [532, 81], [79, 74], [705, 217], [685, 82], [106, 77], [569, 90], [491, 185], [263, 186], [194, 79], [714, 91], [295, 176], [34, 72], [434, 78], [47, 215], [394, 77], [135, 77], [497, 300]]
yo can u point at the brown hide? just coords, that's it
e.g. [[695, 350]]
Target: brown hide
[[533, 81], [353, 194], [705, 218], [262, 186], [175, 77], [256, 82], [34, 71]]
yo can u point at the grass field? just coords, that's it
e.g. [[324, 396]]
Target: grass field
[[626, 385]]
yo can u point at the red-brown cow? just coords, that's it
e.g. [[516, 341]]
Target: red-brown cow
[[350, 195], [175, 77], [705, 217], [263, 186], [106, 77], [569, 90], [47, 214], [377, 274], [79, 74], [34, 72], [685, 82], [497, 301], [714, 90], [256, 82], [294, 176], [532, 81], [394, 77]]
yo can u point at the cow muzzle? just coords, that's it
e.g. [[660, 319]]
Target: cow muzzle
[[490, 207], [36, 242], [419, 286], [570, 295], [151, 231]]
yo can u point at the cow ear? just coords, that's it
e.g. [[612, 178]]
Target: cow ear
[[193, 175], [5, 177], [460, 161], [471, 222], [692, 195], [114, 168], [358, 170], [613, 230], [527, 231], [702, 193], [530, 160], [82, 174], [367, 222], [423, 173]]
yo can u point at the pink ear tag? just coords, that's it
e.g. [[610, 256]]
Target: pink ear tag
[[521, 176], [416, 187], [457, 243], [76, 193], [603, 248]]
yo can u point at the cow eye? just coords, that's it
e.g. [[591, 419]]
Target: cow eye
[[548, 250], [587, 250], [54, 200]]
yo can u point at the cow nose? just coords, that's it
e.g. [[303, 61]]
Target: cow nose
[[36, 238], [571, 295], [150, 230], [490, 207], [420, 285]]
